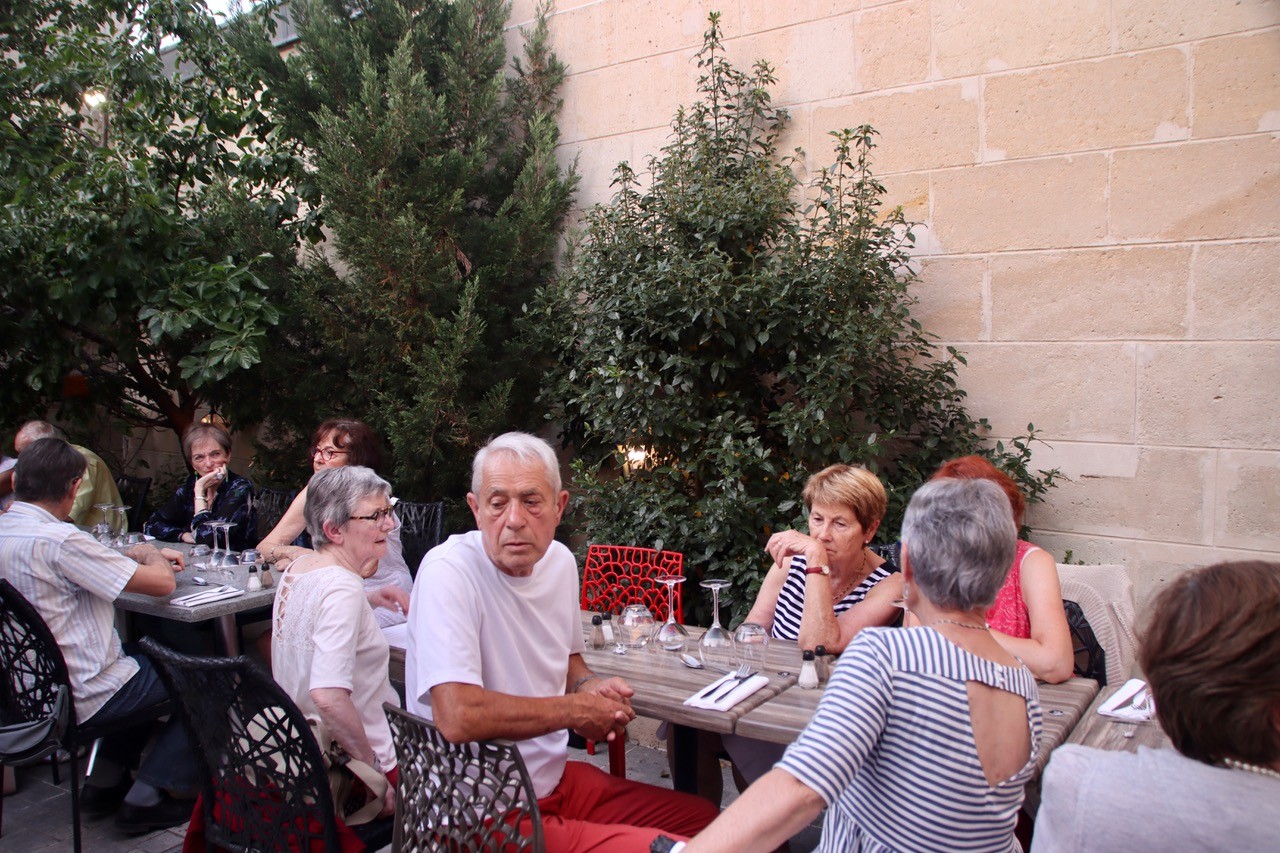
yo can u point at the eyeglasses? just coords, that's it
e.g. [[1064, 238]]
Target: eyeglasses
[[375, 517], [327, 453]]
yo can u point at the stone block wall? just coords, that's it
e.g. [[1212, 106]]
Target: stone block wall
[[1098, 187]]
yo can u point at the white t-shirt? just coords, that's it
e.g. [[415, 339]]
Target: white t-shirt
[[324, 635], [472, 624]]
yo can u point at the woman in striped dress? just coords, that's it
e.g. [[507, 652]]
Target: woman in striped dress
[[925, 737], [817, 578]]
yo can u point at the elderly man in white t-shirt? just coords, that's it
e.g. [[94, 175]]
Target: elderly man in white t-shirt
[[495, 651]]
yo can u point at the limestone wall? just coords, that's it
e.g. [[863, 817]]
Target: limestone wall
[[1099, 187]]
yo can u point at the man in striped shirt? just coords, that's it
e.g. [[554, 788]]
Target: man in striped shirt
[[72, 580]]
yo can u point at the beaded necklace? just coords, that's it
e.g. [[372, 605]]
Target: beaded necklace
[[955, 622], [1235, 764]]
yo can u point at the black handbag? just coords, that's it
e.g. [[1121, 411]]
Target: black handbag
[[21, 743]]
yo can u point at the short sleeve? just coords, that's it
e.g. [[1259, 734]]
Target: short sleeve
[[444, 620], [848, 723], [336, 635], [92, 566]]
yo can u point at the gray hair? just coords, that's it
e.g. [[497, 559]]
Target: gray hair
[[332, 496], [200, 432], [960, 541], [529, 449], [33, 431]]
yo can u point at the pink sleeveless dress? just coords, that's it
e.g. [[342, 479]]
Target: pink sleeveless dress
[[1009, 614]]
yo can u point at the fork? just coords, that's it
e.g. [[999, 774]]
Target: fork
[[717, 684], [743, 673]]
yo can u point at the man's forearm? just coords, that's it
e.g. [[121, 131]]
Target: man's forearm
[[465, 712]]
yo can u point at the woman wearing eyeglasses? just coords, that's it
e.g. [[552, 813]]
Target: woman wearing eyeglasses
[[211, 493], [337, 443], [327, 651]]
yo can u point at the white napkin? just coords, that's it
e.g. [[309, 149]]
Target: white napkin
[[728, 700], [1122, 703], [207, 596]]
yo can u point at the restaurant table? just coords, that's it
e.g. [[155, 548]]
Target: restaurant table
[[1101, 732], [223, 613]]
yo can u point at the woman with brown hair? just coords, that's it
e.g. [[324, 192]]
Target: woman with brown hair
[[1211, 653], [212, 492], [336, 443], [1027, 617]]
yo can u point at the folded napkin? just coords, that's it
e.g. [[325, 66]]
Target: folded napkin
[[725, 701], [1133, 702], [207, 596]]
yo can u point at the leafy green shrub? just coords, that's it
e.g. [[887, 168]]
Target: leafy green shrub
[[745, 338]]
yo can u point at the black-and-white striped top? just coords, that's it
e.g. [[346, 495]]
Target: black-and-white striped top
[[790, 606], [891, 748]]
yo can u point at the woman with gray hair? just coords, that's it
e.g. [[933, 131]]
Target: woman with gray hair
[[212, 492], [328, 653], [925, 737]]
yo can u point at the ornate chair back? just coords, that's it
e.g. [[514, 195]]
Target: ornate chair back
[[473, 796], [270, 505], [133, 494], [421, 529], [617, 575], [263, 779]]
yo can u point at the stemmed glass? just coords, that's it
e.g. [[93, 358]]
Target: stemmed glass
[[672, 636], [215, 559], [121, 523], [715, 649], [102, 531], [231, 558], [635, 627], [751, 642]]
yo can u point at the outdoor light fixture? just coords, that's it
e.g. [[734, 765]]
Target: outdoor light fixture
[[94, 98], [633, 458]]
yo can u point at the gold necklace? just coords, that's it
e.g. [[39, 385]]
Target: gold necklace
[[955, 622], [851, 584]]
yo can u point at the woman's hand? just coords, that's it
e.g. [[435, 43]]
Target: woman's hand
[[787, 544], [390, 597], [206, 488]]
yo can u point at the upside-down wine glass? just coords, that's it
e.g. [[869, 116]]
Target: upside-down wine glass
[[102, 530], [672, 636], [120, 524], [715, 648]]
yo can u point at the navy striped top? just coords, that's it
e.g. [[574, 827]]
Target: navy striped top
[[790, 605], [892, 753]]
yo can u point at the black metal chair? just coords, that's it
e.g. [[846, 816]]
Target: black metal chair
[[271, 505], [475, 796], [421, 529], [133, 494], [34, 677], [263, 781], [1090, 657]]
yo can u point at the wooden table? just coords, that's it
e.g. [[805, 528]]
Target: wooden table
[[1119, 735], [223, 613]]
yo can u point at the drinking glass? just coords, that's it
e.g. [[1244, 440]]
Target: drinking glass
[[635, 627], [102, 530], [715, 648], [672, 636], [200, 557], [751, 642], [120, 523], [215, 558], [225, 527]]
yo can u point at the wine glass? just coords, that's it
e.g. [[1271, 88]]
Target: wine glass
[[102, 530], [751, 642], [635, 627], [225, 527], [715, 648], [672, 636], [120, 523], [200, 556]]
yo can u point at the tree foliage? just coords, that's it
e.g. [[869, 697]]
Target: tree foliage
[[745, 338], [442, 204], [139, 210]]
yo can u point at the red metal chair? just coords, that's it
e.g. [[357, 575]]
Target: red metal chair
[[617, 575]]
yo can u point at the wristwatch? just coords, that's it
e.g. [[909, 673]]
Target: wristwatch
[[817, 570]]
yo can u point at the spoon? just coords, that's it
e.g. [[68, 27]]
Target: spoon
[[690, 661]]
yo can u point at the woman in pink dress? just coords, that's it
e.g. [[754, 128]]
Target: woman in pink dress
[[1027, 618]]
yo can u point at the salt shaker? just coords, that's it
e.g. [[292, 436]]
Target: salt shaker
[[608, 628], [596, 639], [255, 583], [808, 672]]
